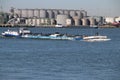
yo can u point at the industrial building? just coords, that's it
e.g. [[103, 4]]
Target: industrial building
[[48, 13], [38, 17]]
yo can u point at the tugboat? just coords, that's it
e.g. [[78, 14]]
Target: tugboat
[[10, 33]]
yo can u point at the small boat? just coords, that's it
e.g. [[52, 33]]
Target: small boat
[[96, 38], [94, 26], [10, 33], [59, 25], [24, 31]]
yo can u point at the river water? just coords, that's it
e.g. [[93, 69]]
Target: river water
[[35, 59]]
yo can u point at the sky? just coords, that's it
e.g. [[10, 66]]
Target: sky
[[108, 8]]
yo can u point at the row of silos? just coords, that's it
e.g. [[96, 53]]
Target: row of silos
[[66, 20], [49, 13], [62, 19], [88, 21]]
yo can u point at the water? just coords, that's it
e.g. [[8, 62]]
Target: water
[[34, 59]]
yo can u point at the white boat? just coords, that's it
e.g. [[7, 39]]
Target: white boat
[[59, 25], [10, 33], [96, 38], [24, 31], [94, 26]]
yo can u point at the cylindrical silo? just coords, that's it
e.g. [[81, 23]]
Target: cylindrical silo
[[61, 11], [50, 14], [30, 13], [61, 19], [66, 12], [92, 21], [85, 22], [42, 21], [52, 21], [36, 13], [55, 13], [34, 22], [24, 12], [84, 13], [72, 13], [27, 22], [76, 20], [79, 14], [38, 22], [43, 13]]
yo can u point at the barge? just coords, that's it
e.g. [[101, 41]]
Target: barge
[[25, 33]]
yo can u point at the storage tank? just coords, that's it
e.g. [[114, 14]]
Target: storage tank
[[50, 14], [84, 13], [26, 22], [52, 21], [85, 22], [38, 22], [30, 13], [55, 13], [34, 22], [43, 13], [37, 13], [76, 20], [42, 21], [72, 13], [24, 13], [66, 12], [79, 14], [61, 19], [92, 21], [61, 11]]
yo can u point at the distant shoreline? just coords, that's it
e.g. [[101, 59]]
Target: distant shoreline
[[52, 26]]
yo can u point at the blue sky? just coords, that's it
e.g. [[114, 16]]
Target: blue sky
[[93, 7]]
